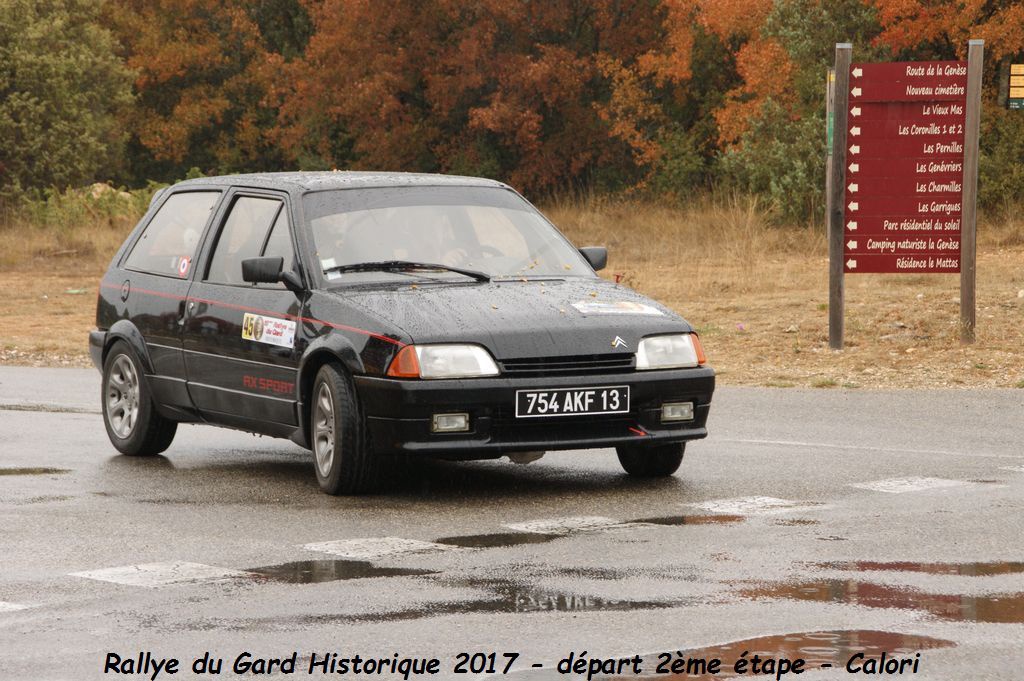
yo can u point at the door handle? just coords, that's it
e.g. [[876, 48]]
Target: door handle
[[181, 311]]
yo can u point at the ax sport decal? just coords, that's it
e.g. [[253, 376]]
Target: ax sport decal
[[270, 330]]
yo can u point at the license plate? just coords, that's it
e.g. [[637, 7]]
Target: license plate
[[572, 401]]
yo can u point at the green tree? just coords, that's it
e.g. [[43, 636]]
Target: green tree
[[781, 156], [62, 88]]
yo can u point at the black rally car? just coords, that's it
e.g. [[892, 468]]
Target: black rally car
[[364, 315]]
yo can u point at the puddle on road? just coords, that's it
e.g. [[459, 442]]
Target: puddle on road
[[505, 597], [504, 539], [48, 408], [512, 597], [45, 499], [500, 539], [711, 519], [998, 608], [317, 571], [33, 471], [963, 569], [818, 648]]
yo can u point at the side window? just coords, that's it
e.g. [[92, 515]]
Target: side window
[[279, 243], [242, 237], [168, 244]]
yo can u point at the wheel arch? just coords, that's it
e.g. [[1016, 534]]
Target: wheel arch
[[124, 330], [324, 350]]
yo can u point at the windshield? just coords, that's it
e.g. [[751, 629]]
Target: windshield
[[489, 230]]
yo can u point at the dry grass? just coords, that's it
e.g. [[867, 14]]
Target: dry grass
[[757, 293], [759, 296], [711, 248]]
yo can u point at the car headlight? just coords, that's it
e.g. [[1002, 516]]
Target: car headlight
[[676, 351], [442, 361]]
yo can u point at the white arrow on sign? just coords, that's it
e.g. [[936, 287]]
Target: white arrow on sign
[[855, 111], [852, 245], [854, 188], [856, 92], [855, 131], [854, 167], [854, 206], [857, 72], [852, 225], [855, 149], [851, 263]]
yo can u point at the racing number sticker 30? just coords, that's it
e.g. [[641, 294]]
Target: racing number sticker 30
[[268, 330]]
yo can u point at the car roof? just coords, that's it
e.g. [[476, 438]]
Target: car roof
[[340, 179]]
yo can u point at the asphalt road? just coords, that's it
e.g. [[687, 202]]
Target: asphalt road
[[812, 524]]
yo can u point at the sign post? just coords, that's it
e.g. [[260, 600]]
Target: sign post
[[968, 238], [904, 177], [837, 176]]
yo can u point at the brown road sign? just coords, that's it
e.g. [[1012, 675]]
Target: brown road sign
[[898, 263]]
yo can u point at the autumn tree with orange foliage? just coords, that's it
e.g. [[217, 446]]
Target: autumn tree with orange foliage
[[202, 75], [541, 94], [657, 96]]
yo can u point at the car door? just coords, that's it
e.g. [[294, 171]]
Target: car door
[[155, 278], [241, 340]]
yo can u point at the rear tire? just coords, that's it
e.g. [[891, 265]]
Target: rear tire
[[134, 426], [651, 462], [344, 461]]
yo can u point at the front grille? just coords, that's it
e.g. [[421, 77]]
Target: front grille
[[568, 365]]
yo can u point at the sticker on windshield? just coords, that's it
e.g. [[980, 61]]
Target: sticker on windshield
[[597, 307], [268, 330]]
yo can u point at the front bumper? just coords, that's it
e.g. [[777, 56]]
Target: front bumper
[[399, 413]]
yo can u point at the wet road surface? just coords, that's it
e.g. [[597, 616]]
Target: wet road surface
[[811, 524]]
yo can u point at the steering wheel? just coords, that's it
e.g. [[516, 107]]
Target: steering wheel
[[489, 251], [462, 257]]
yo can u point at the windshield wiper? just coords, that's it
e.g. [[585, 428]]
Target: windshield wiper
[[401, 265]]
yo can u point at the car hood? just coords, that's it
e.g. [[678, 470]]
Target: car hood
[[520, 318]]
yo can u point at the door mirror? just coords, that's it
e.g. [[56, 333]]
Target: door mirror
[[262, 270], [268, 271], [597, 256]]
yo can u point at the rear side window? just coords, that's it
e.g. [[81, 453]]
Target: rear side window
[[242, 237], [169, 242]]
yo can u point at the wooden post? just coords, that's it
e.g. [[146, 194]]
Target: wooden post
[[830, 93], [836, 193], [969, 203]]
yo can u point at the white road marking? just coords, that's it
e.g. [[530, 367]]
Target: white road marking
[[912, 484], [162, 574], [1015, 469], [7, 606], [578, 523], [756, 506], [368, 548], [863, 448]]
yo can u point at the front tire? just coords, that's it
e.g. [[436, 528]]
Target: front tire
[[134, 426], [651, 462], [342, 455]]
